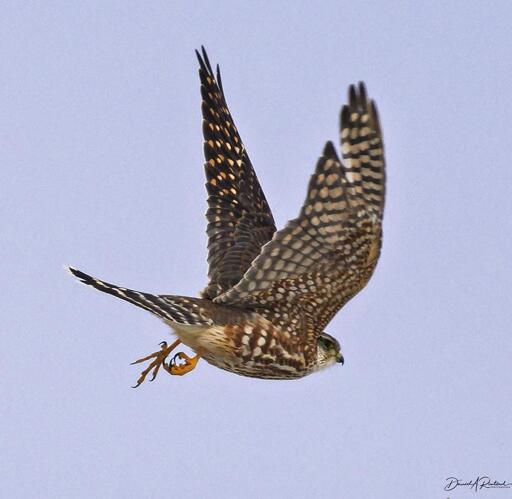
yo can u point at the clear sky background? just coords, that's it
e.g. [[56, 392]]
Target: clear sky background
[[101, 168]]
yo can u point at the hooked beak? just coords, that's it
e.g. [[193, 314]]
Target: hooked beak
[[340, 359]]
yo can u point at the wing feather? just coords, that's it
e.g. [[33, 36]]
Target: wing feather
[[238, 215], [324, 257]]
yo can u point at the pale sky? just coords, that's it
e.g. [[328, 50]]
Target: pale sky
[[101, 151]]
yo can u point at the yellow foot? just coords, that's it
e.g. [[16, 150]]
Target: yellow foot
[[180, 369], [154, 366]]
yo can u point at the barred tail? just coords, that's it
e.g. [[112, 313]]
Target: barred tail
[[177, 309]]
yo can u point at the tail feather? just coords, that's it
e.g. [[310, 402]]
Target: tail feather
[[177, 309]]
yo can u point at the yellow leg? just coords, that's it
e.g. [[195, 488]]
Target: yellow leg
[[181, 369], [154, 366]]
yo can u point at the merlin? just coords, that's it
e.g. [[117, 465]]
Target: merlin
[[271, 293]]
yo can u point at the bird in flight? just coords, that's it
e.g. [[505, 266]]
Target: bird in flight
[[272, 292]]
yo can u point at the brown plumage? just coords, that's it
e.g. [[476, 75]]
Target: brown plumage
[[271, 293]]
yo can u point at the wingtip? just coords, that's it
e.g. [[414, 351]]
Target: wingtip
[[206, 59], [344, 116], [352, 96], [219, 80], [363, 95], [202, 65], [375, 117], [329, 150]]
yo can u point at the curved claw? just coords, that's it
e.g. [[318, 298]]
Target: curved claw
[[181, 369], [180, 356], [158, 360]]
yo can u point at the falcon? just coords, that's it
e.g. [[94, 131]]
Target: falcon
[[271, 293]]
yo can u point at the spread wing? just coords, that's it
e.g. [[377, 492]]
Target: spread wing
[[239, 219], [320, 260]]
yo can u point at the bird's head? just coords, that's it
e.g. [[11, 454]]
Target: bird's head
[[328, 351]]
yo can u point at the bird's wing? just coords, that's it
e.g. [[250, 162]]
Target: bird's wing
[[324, 257], [239, 219]]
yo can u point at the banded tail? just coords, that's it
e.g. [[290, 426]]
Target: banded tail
[[177, 309]]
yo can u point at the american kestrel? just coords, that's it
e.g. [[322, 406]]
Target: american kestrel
[[271, 293]]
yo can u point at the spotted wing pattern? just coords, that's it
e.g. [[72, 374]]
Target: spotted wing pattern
[[238, 215], [363, 153], [320, 260]]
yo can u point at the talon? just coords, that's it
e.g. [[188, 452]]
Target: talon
[[179, 370], [155, 372], [159, 360], [179, 355]]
